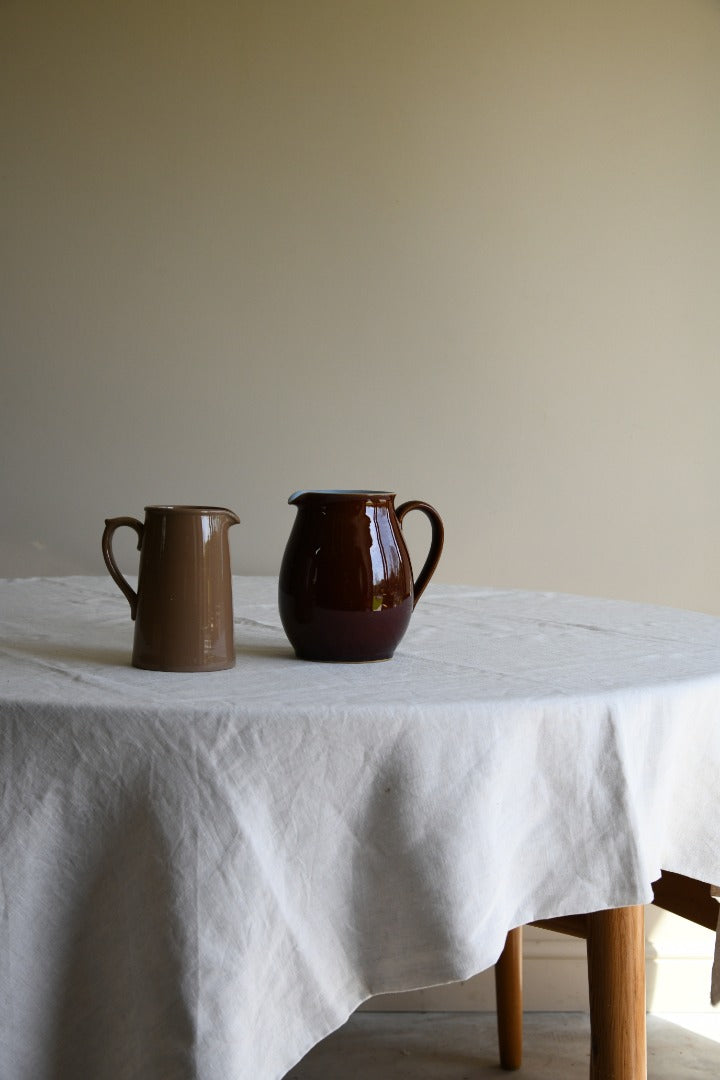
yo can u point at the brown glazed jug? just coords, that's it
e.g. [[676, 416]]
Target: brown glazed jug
[[183, 605], [346, 589]]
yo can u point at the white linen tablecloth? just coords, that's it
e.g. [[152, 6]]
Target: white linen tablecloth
[[201, 875]]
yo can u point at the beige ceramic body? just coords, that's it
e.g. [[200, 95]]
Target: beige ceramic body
[[183, 605]]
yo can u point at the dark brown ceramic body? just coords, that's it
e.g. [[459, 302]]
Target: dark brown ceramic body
[[346, 590], [183, 606]]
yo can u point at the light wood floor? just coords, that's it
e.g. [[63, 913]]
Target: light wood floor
[[462, 1046]]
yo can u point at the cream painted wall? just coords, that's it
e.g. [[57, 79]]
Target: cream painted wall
[[468, 250]]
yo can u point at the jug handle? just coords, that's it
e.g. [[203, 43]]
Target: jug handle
[[436, 543], [111, 524]]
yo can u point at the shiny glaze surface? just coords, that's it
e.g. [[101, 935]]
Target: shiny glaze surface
[[346, 589], [183, 606]]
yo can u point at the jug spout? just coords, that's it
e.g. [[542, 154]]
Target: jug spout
[[230, 517]]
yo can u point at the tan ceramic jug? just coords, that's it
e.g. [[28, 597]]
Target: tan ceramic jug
[[183, 605], [346, 589]]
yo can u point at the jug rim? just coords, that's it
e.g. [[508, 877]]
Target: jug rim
[[338, 494], [182, 508]]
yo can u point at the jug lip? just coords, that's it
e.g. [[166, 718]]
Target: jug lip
[[339, 494]]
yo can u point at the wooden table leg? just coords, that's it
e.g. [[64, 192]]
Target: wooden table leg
[[616, 974], [509, 1004]]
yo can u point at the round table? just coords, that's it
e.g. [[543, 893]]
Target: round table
[[204, 874]]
